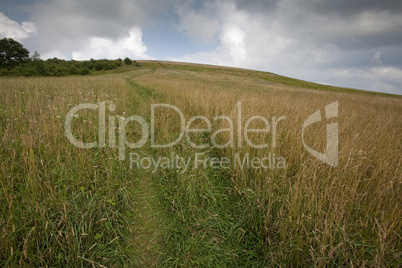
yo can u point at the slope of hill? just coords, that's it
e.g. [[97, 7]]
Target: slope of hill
[[197, 165]]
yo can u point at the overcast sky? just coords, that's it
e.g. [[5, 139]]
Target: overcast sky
[[352, 43]]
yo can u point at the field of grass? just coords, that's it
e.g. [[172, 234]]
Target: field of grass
[[65, 206]]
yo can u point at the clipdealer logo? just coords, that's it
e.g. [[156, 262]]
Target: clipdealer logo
[[330, 156], [242, 132]]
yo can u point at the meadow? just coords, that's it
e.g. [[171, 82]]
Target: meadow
[[66, 206]]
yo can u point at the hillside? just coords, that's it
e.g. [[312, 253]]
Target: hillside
[[267, 76], [176, 164]]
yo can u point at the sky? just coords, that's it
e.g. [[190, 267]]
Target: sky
[[350, 43]]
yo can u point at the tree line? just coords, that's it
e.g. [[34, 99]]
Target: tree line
[[15, 60]]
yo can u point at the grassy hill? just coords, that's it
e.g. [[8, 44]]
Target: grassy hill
[[215, 199]]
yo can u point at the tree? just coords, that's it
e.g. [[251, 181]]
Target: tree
[[36, 56], [127, 61], [39, 64], [12, 53]]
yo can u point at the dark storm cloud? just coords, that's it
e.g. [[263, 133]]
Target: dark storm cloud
[[392, 56], [351, 7], [321, 17], [96, 17], [343, 42], [343, 8], [351, 25], [257, 5]]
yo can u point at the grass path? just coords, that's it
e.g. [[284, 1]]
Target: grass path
[[146, 239], [145, 228], [191, 219]]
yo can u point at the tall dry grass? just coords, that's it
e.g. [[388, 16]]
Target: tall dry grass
[[61, 205], [308, 213], [65, 206]]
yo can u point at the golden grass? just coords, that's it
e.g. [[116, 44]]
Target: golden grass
[[350, 214], [62, 205]]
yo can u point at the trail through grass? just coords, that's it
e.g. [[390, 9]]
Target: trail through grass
[[148, 218], [145, 226], [188, 219]]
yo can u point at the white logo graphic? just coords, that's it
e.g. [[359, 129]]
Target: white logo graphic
[[330, 156], [148, 130]]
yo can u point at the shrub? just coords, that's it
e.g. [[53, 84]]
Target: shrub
[[27, 70], [73, 70], [98, 66], [85, 71], [128, 61]]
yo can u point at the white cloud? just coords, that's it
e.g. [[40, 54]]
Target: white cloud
[[53, 54], [383, 79], [233, 39], [230, 30], [101, 47], [92, 28], [199, 27], [12, 29]]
